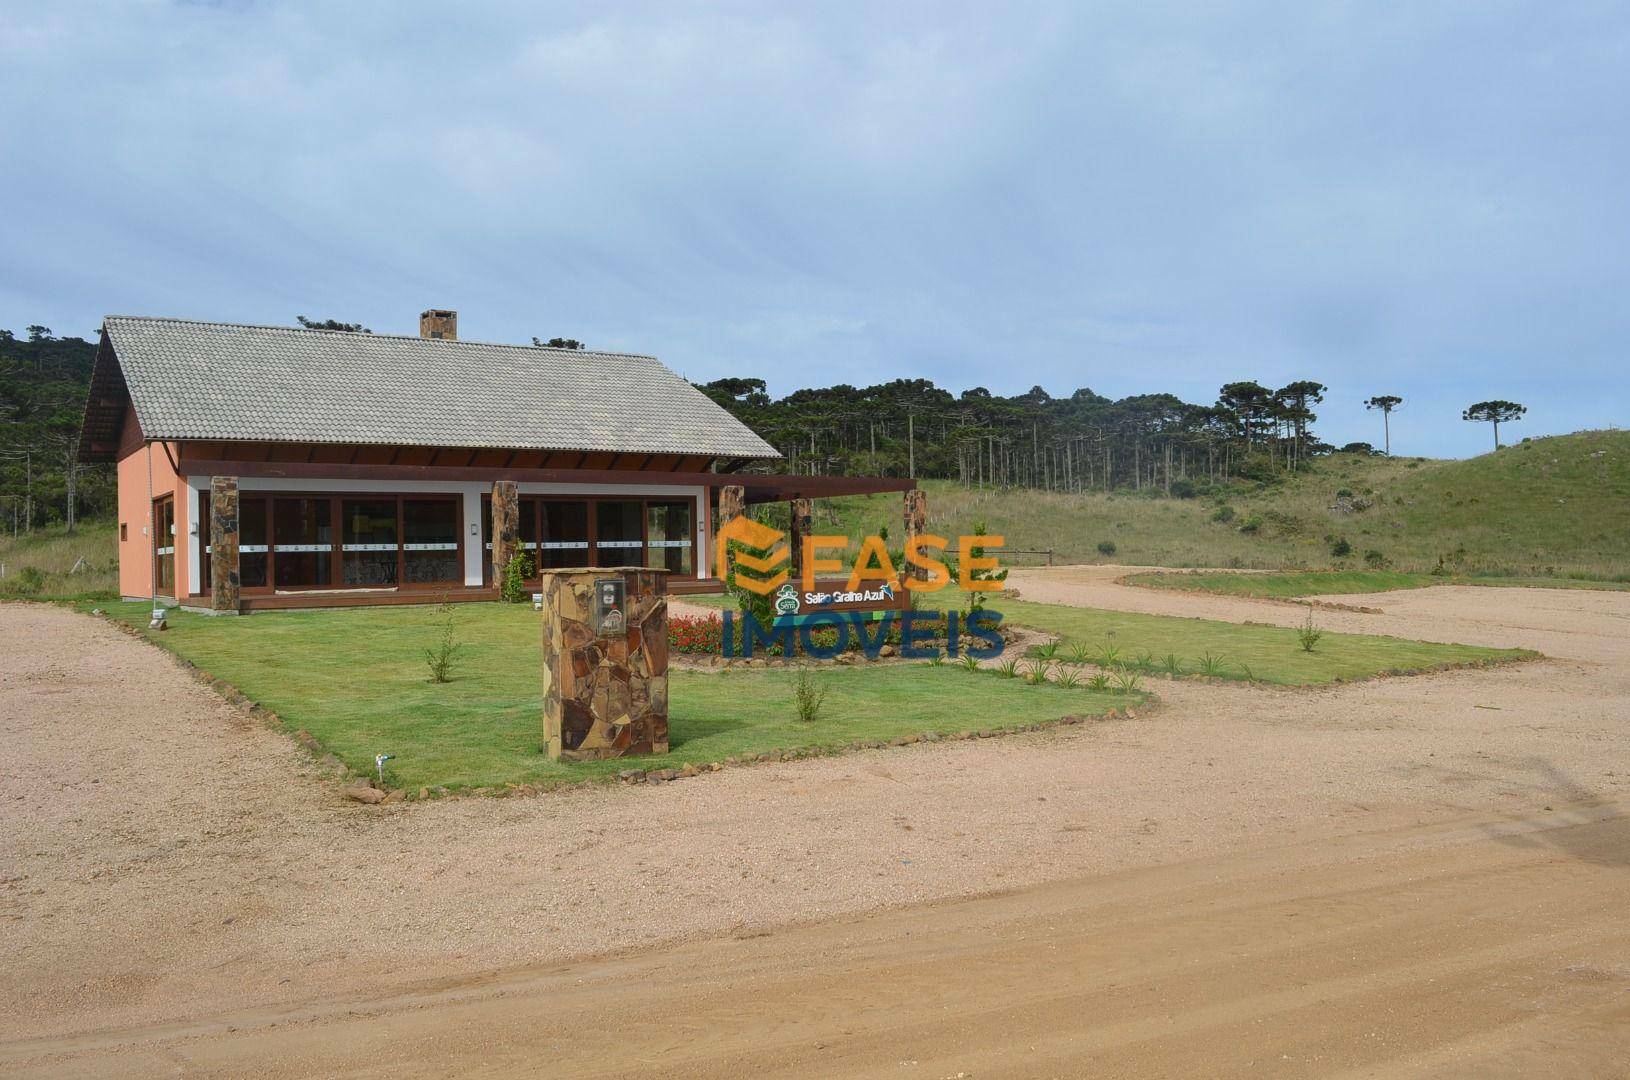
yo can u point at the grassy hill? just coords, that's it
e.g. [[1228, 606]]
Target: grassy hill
[[1548, 507]]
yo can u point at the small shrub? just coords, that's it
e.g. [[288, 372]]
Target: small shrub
[[1144, 662], [1211, 666], [440, 658], [1223, 514], [1127, 682], [1171, 665], [1069, 680], [1309, 634], [1341, 548], [1106, 548], [29, 581], [1099, 682], [1037, 673], [1046, 651], [807, 697], [1251, 524], [1374, 559], [1110, 657], [1184, 488], [1077, 652], [1344, 493], [976, 597], [513, 589], [937, 660], [1008, 669], [970, 664]]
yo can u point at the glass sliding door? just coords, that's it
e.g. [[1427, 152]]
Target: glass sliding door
[[619, 532], [669, 541], [430, 551], [368, 542], [564, 538], [164, 545], [252, 542], [302, 543]]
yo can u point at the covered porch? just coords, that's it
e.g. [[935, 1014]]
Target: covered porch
[[286, 535]]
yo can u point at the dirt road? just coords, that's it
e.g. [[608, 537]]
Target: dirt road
[[1404, 877]]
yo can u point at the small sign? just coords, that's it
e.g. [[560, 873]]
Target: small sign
[[610, 601]]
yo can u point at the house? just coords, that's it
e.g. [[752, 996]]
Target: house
[[263, 467]]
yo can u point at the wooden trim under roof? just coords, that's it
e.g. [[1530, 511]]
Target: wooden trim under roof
[[760, 487]]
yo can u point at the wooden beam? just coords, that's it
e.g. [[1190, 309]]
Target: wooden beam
[[760, 487]]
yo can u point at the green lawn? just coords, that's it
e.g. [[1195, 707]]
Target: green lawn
[[356, 679], [1331, 582], [1270, 654]]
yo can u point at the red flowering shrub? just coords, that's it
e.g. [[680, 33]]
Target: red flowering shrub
[[701, 634]]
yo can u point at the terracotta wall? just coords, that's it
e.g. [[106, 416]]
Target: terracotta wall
[[135, 547]]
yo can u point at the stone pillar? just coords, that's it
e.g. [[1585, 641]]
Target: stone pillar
[[605, 677], [916, 521], [225, 584], [506, 526], [803, 524], [732, 505]]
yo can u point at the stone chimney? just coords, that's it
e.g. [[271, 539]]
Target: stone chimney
[[437, 323]]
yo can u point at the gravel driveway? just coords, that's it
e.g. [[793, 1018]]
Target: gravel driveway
[[163, 856]]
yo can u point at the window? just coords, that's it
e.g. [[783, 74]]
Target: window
[[430, 540], [368, 541], [668, 538], [565, 539], [252, 543], [302, 542], [619, 533], [124, 531]]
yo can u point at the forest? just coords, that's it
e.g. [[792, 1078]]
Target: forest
[[1084, 442], [1153, 443], [43, 382]]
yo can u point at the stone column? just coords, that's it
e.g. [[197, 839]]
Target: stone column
[[916, 521], [506, 526], [605, 682], [732, 505], [225, 584], [803, 524]]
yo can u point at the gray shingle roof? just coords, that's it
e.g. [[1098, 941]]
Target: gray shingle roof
[[199, 380]]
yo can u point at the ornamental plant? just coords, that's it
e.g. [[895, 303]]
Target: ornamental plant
[[695, 634]]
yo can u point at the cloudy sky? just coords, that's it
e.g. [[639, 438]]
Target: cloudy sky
[[1421, 199]]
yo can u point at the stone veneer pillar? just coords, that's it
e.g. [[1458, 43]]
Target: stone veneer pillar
[[916, 522], [732, 505], [803, 524], [506, 526], [225, 581], [605, 692]]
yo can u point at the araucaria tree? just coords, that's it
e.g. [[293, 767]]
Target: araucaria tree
[[1496, 413], [1386, 403]]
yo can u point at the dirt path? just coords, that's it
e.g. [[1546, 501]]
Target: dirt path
[[1375, 862]]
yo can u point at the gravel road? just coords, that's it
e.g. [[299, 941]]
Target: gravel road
[[166, 863]]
